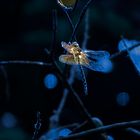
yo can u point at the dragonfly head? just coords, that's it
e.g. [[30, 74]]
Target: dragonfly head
[[72, 48]]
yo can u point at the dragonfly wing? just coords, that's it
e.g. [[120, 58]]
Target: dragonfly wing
[[67, 59], [104, 65], [97, 54]]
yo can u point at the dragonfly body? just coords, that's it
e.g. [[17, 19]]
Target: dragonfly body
[[93, 60]]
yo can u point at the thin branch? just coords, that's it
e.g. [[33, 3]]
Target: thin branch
[[80, 19], [87, 114], [128, 52], [133, 131], [86, 30], [75, 6], [62, 103], [79, 126], [71, 23], [68, 126], [37, 127], [54, 119], [102, 129], [9, 62], [97, 123], [123, 52]]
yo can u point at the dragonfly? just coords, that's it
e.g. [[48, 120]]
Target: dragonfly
[[93, 60]]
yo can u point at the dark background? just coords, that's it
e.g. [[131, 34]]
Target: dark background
[[26, 29]]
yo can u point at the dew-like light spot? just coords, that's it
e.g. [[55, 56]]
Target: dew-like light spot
[[110, 138], [50, 81], [134, 53], [8, 120], [123, 99]]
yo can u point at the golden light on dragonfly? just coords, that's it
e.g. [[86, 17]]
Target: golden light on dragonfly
[[67, 4], [94, 60]]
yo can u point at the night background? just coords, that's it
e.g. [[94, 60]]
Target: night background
[[26, 29]]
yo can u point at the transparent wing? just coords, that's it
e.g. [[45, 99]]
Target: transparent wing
[[103, 65], [97, 54], [67, 59]]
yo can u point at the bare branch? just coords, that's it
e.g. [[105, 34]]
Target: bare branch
[[102, 129], [37, 127], [124, 52], [133, 131], [86, 30], [24, 62]]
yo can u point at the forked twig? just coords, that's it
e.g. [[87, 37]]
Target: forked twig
[[80, 19]]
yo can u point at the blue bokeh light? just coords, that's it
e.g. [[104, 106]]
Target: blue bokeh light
[[110, 138], [134, 53], [123, 99], [8, 120], [50, 81]]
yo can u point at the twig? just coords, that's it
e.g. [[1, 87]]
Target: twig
[[133, 131], [62, 103], [86, 30], [54, 119], [75, 6], [102, 129], [128, 52], [71, 23], [79, 126], [123, 52], [68, 126], [37, 127], [40, 63], [80, 19], [87, 114]]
